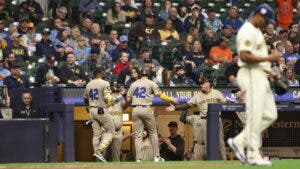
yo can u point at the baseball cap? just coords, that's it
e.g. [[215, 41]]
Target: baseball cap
[[30, 25], [266, 11], [144, 49], [150, 15], [195, 6], [180, 68], [46, 31], [99, 69], [15, 65], [172, 124], [226, 27], [123, 38], [1, 21], [282, 31], [222, 39]]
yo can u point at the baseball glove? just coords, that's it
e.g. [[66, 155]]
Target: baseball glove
[[281, 85]]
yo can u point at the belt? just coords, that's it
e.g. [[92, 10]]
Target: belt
[[140, 106], [115, 113], [93, 106], [203, 117], [199, 142]]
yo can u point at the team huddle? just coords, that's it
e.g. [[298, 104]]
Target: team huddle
[[106, 107]]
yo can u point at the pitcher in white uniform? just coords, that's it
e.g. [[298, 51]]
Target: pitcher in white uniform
[[252, 77]]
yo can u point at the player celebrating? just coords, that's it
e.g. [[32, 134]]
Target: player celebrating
[[116, 111], [252, 78], [198, 122], [98, 96], [140, 93]]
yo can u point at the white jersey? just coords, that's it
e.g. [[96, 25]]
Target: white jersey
[[251, 39]]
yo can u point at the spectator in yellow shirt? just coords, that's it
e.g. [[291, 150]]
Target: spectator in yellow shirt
[[168, 33]]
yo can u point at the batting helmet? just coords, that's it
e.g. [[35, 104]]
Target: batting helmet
[[99, 70], [145, 72]]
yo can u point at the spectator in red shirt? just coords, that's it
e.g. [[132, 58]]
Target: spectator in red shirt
[[122, 63]]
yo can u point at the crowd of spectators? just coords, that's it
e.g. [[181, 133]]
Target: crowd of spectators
[[178, 43]]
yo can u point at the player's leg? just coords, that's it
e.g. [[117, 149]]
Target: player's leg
[[239, 142], [198, 151], [96, 131], [108, 133], [138, 129], [221, 141], [96, 134], [270, 111], [116, 146], [257, 108], [203, 131], [150, 123]]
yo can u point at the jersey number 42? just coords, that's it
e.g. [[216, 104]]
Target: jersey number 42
[[94, 94], [139, 92]]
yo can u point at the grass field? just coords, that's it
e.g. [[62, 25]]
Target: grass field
[[277, 164]]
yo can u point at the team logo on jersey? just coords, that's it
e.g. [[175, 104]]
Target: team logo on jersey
[[247, 43]]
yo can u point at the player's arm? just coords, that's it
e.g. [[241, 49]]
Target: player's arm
[[108, 96], [184, 106], [248, 57], [183, 116], [85, 97], [161, 95], [129, 95], [221, 97], [164, 97]]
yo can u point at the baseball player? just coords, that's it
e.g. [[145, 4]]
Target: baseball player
[[146, 148], [140, 94], [116, 111], [98, 95], [252, 78], [198, 122]]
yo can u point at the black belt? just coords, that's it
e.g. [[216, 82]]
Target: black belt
[[203, 117], [199, 142], [93, 106], [144, 106]]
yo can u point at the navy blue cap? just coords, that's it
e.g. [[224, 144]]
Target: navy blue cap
[[266, 11]]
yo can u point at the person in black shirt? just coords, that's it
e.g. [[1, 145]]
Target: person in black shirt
[[172, 147], [26, 110], [72, 74], [48, 73], [231, 71], [16, 80]]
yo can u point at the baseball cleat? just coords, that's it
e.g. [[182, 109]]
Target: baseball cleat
[[259, 162], [238, 151], [138, 161], [100, 157], [158, 159]]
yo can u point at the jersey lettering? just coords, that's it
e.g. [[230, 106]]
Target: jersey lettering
[[139, 92], [94, 94]]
